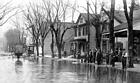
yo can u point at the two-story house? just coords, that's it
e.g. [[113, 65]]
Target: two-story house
[[84, 34]]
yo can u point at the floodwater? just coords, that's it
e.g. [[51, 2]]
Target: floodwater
[[53, 71]]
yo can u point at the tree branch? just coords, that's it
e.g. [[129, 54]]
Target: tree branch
[[125, 10]]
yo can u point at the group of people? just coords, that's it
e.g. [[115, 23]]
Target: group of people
[[120, 55], [91, 56], [97, 56]]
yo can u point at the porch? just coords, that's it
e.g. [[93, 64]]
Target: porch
[[120, 33]]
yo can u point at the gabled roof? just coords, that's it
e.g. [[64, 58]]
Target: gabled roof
[[124, 26], [120, 16], [85, 16]]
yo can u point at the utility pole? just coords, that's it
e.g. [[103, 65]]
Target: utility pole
[[111, 28], [112, 36], [88, 26]]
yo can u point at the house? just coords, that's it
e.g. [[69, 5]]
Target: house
[[84, 38], [120, 30]]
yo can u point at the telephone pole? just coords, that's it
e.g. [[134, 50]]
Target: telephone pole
[[88, 26], [111, 27]]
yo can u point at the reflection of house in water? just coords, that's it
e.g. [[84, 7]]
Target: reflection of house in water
[[80, 41], [120, 29]]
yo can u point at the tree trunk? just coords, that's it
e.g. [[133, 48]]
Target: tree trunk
[[52, 44], [59, 50], [129, 18], [58, 43], [37, 49], [130, 44], [98, 36], [42, 46]]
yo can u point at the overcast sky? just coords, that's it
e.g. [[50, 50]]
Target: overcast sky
[[23, 3]]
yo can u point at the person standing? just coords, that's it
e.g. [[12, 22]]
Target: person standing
[[119, 54], [107, 58], [94, 55], [99, 57], [82, 56], [90, 56], [78, 54], [112, 58], [124, 59]]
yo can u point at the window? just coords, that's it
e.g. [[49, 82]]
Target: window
[[83, 31], [86, 33], [106, 27], [79, 31], [81, 20], [76, 32]]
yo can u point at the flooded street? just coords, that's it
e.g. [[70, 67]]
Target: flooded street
[[53, 71]]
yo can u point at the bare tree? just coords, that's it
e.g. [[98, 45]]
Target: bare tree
[[32, 20], [129, 18], [51, 19], [57, 12], [44, 30], [40, 26], [7, 12], [97, 23], [19, 27]]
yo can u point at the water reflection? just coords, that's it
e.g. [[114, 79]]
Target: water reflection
[[95, 74], [46, 70], [19, 70], [18, 66]]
